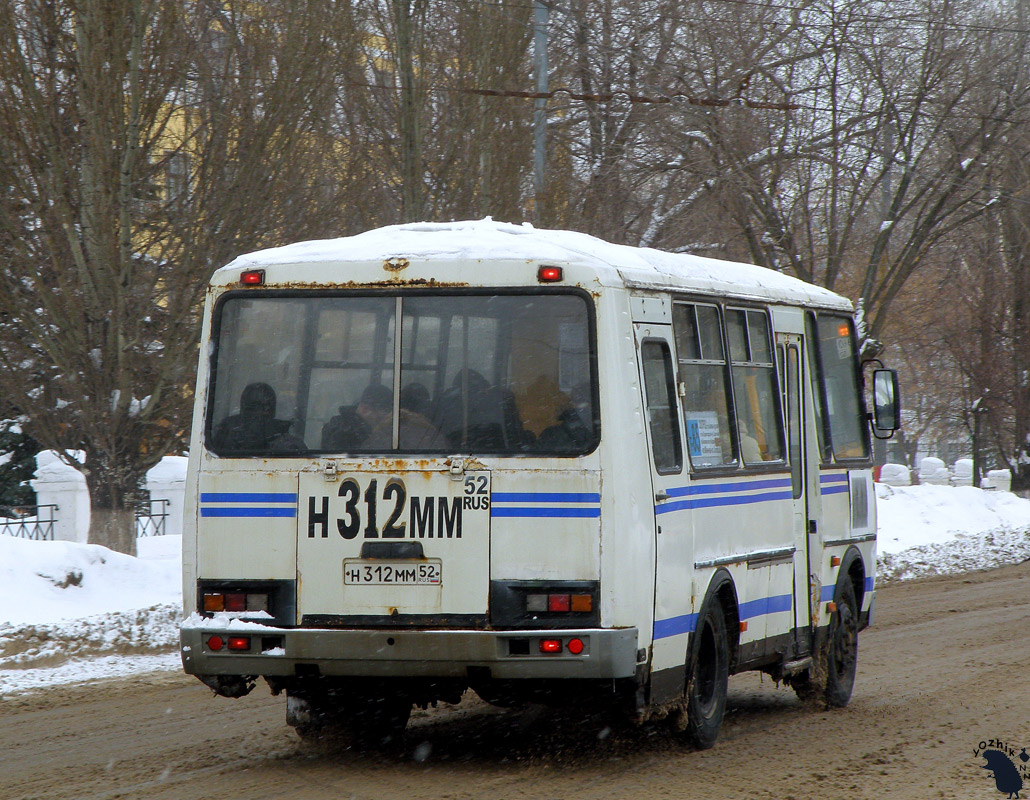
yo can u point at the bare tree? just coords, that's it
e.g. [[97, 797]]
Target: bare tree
[[142, 143]]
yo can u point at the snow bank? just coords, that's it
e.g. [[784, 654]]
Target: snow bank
[[63, 604], [937, 530], [49, 581]]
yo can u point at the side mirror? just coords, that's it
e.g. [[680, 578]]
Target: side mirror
[[886, 403]]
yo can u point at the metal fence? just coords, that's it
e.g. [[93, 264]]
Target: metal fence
[[37, 522], [30, 522], [151, 516]]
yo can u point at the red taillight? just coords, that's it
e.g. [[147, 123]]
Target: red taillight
[[236, 602], [215, 643], [550, 646], [575, 646], [559, 602], [549, 274], [252, 277], [239, 643]]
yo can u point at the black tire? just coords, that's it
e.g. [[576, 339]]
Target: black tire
[[708, 679], [842, 648], [832, 679]]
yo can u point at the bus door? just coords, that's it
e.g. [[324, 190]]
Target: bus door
[[789, 351], [674, 542]]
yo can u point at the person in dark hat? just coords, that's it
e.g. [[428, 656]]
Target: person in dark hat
[[255, 429]]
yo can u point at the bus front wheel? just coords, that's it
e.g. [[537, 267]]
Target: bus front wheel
[[708, 679], [842, 648]]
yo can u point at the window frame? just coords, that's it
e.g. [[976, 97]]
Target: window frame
[[669, 367], [827, 451], [307, 354]]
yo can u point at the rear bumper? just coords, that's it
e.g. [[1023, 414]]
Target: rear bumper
[[407, 653]]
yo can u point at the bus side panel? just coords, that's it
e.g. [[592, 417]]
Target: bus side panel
[[627, 499]]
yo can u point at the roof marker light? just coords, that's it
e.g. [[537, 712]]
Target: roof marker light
[[252, 277], [549, 274]]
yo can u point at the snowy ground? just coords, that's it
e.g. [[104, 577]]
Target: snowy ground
[[71, 612]]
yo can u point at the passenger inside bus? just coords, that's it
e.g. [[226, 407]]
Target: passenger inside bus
[[369, 424], [554, 417], [474, 415], [255, 428]]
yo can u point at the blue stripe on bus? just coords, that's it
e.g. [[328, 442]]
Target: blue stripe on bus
[[247, 511], [766, 605], [834, 490], [248, 497], [835, 477], [726, 488], [711, 502], [687, 623], [674, 626], [826, 595], [530, 511], [546, 497]]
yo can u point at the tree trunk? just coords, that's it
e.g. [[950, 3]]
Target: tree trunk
[[114, 528]]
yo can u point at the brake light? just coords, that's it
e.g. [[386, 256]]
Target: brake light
[[235, 602], [239, 643], [559, 602], [550, 646]]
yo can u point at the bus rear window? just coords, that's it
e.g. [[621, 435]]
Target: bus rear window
[[469, 373]]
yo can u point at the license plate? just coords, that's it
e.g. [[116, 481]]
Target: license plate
[[392, 573]]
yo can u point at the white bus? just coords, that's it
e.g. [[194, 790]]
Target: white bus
[[435, 457]]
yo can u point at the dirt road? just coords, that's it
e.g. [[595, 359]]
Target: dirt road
[[946, 667]]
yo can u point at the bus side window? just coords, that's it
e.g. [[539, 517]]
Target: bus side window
[[838, 361], [702, 362], [755, 394], [660, 390]]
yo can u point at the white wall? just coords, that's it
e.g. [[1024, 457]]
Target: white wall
[[57, 483]]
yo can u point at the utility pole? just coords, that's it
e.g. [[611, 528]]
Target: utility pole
[[539, 106]]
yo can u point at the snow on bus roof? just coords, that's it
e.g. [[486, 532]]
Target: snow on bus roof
[[614, 264]]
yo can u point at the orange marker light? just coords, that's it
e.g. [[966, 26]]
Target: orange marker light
[[831, 607], [582, 602], [834, 561], [743, 626], [214, 602], [843, 330]]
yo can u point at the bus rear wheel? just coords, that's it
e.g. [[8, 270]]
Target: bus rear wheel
[[708, 680]]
